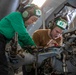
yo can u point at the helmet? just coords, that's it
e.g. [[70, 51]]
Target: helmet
[[30, 10], [59, 21]]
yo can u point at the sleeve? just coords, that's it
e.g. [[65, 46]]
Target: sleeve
[[36, 38], [19, 27]]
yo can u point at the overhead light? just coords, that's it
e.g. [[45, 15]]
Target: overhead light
[[38, 2]]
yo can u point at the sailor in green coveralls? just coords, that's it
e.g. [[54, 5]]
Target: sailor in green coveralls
[[16, 22]]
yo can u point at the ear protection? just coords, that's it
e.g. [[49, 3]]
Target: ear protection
[[50, 24], [26, 13]]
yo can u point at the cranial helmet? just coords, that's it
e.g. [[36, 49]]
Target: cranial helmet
[[59, 21], [30, 10]]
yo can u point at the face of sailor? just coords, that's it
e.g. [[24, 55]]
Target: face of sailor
[[56, 32], [31, 20]]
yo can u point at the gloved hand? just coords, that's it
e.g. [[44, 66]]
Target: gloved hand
[[29, 58]]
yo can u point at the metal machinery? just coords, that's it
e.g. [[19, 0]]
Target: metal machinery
[[47, 61], [59, 60]]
